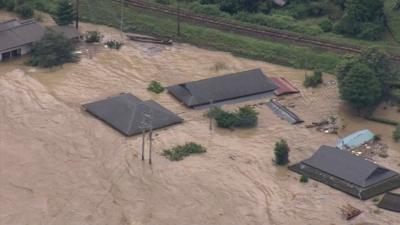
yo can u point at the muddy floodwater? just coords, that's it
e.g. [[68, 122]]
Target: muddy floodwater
[[59, 165]]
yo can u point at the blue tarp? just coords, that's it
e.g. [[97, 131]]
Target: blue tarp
[[355, 140]]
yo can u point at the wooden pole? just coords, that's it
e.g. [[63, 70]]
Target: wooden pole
[[178, 19], [77, 15], [150, 144], [143, 139]]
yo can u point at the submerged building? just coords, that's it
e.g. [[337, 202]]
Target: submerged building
[[129, 115], [17, 37], [348, 173], [240, 86]]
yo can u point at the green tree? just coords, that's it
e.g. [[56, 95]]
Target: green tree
[[64, 14], [360, 87], [25, 11], [281, 153], [54, 49]]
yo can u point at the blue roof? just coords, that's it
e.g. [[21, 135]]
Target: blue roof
[[355, 140]]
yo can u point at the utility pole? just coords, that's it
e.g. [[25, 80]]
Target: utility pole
[[150, 144], [77, 14], [178, 19], [122, 20], [143, 139]]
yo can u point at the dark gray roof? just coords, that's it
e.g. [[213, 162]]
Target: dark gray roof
[[284, 112], [68, 32], [390, 201], [15, 33], [127, 114], [348, 167], [222, 88]]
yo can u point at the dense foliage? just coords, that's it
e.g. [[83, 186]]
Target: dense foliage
[[25, 11], [155, 87], [363, 81], [396, 133], [303, 179], [113, 44], [245, 117], [54, 49], [181, 151], [64, 14], [281, 152], [313, 80], [93, 36]]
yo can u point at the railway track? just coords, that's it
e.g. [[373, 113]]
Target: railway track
[[249, 31]]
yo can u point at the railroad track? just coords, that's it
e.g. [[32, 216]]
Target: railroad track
[[237, 28]]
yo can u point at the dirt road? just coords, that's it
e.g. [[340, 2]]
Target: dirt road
[[58, 165]]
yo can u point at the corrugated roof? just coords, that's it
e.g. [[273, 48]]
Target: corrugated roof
[[130, 115], [14, 34], [285, 87], [284, 112], [355, 140], [223, 88], [348, 167]]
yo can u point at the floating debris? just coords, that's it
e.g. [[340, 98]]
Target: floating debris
[[327, 126]]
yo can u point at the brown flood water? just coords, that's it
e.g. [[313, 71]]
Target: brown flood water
[[58, 165]]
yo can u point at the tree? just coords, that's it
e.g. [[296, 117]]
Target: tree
[[360, 87], [314, 80], [25, 11], [54, 49], [281, 153], [64, 14]]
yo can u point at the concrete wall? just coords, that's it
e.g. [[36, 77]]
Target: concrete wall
[[24, 50]]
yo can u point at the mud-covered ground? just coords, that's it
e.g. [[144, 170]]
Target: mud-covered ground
[[59, 165]]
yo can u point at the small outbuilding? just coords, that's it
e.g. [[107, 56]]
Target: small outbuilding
[[390, 201], [348, 173], [240, 86], [17, 37], [285, 87], [355, 140], [130, 115]]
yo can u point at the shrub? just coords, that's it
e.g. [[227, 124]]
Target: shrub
[[314, 80], [113, 44], [25, 11], [155, 87], [2, 4], [245, 117], [10, 5], [303, 179], [93, 36], [54, 49], [212, 10], [396, 133], [164, 2], [181, 151], [326, 25], [281, 153], [371, 31]]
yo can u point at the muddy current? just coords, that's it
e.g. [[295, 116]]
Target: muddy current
[[59, 165]]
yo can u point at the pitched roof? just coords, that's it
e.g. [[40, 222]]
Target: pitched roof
[[285, 87], [15, 33], [223, 88], [130, 115], [390, 201], [348, 167]]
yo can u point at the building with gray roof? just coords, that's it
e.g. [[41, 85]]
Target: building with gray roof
[[17, 37], [348, 173], [130, 115], [223, 88]]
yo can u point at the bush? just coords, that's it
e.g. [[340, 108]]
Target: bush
[[25, 11], [181, 151], [326, 25], [164, 2], [245, 117], [371, 31], [212, 10], [53, 50], [155, 87], [303, 179], [64, 14], [2, 4], [113, 44], [93, 36], [10, 5], [314, 80], [281, 153], [396, 133]]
